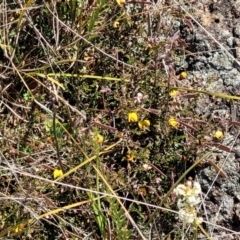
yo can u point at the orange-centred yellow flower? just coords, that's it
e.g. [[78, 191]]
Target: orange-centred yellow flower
[[120, 2], [144, 124], [132, 117], [173, 122], [57, 173], [218, 135]]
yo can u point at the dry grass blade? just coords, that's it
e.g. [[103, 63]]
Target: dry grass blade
[[235, 123], [220, 146], [218, 169], [109, 98]]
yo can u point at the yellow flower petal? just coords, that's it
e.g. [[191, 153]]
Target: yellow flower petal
[[173, 93], [130, 157], [142, 191], [120, 2], [218, 134], [144, 124], [57, 173], [19, 228], [100, 139], [173, 122], [116, 24], [140, 124], [132, 117], [183, 75]]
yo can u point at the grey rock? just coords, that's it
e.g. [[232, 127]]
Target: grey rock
[[225, 34], [237, 154], [236, 30], [232, 81], [211, 62], [230, 41], [227, 207], [237, 211], [220, 61]]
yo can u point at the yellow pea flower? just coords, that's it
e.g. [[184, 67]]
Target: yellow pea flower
[[19, 228], [132, 117], [218, 134], [183, 75], [144, 124], [57, 173], [173, 122], [99, 139], [120, 2], [142, 191], [173, 93], [140, 124], [130, 157]]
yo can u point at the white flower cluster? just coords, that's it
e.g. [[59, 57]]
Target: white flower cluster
[[188, 195]]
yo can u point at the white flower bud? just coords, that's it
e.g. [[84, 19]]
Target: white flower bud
[[187, 216]]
